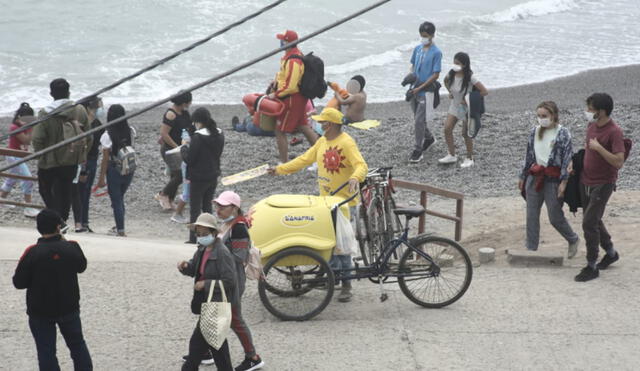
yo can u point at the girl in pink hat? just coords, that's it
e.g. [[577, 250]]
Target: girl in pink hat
[[234, 233]]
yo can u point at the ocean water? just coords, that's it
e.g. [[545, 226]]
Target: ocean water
[[93, 43]]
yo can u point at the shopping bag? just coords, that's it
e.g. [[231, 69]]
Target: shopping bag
[[215, 318], [345, 238]]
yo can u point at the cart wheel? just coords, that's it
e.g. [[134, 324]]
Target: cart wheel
[[298, 284], [437, 284]]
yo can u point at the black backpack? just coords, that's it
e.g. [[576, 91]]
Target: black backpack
[[313, 84]]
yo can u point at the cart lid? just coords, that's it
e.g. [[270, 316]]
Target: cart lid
[[291, 201]]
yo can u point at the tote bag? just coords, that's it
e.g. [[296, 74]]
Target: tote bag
[[215, 318]]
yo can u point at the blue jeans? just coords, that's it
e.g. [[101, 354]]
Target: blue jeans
[[117, 185], [85, 189], [44, 334], [185, 184], [22, 169]]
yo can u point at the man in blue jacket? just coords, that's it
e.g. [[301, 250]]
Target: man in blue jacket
[[49, 271]]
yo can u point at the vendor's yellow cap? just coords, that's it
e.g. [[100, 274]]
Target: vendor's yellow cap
[[329, 114]]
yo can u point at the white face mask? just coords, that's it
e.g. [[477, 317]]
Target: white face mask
[[205, 240], [544, 122], [590, 116], [425, 41], [456, 68]]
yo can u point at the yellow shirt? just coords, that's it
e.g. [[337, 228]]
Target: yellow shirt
[[338, 161], [290, 75]]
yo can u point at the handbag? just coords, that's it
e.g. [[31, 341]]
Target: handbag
[[215, 318]]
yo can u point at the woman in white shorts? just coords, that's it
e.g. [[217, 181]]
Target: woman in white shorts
[[459, 82]]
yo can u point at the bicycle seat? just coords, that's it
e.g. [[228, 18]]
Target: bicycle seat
[[410, 211]]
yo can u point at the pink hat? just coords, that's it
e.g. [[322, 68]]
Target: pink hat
[[228, 198]]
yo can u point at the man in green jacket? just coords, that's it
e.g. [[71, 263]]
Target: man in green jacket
[[58, 168]]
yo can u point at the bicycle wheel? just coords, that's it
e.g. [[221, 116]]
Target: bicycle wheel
[[437, 284], [394, 227], [298, 284], [375, 229], [361, 234]]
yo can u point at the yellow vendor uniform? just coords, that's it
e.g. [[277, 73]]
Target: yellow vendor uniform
[[338, 160]]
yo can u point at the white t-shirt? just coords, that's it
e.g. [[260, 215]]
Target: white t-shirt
[[105, 139], [543, 147]]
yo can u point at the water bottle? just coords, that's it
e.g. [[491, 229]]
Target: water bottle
[[185, 135]]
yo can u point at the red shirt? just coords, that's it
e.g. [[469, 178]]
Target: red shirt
[[14, 142], [596, 170], [203, 262]]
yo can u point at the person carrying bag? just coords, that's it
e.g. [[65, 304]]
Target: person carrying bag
[[215, 318]]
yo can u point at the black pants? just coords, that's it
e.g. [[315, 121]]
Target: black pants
[[171, 188], [197, 349], [55, 188], [44, 334], [594, 201], [201, 195]]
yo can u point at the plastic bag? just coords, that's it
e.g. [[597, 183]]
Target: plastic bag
[[345, 238], [253, 269]]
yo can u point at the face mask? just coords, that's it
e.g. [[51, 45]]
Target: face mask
[[100, 114], [544, 122], [282, 43], [318, 128], [205, 240], [456, 68], [425, 41], [590, 116], [230, 218]]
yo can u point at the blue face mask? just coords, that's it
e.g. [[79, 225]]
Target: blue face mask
[[318, 128], [230, 218], [205, 240], [282, 43], [100, 114]]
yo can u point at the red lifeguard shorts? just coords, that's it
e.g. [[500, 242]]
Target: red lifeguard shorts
[[294, 114]]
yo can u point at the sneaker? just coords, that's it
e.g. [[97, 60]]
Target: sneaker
[[428, 144], [177, 218], [81, 230], [208, 360], [165, 204], [295, 141], [587, 274], [448, 159], [64, 228], [86, 226], [573, 249], [235, 121], [114, 232], [467, 163], [313, 167], [249, 364], [31, 212], [345, 294], [607, 261], [416, 156]]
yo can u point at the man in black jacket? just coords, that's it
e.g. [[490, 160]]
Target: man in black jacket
[[49, 271]]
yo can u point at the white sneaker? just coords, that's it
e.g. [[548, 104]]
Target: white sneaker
[[313, 167], [467, 162], [179, 219], [448, 159], [31, 212]]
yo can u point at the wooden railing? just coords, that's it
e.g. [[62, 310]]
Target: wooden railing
[[17, 153], [426, 189]]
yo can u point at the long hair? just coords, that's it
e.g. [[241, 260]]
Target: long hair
[[466, 61], [120, 133], [552, 108], [24, 110], [203, 116]]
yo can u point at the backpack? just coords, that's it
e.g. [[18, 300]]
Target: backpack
[[253, 270], [313, 84], [125, 160], [76, 152]]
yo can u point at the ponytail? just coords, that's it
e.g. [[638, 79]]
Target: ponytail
[[203, 116], [24, 110]]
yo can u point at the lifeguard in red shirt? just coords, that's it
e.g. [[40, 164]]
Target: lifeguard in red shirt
[[287, 90]]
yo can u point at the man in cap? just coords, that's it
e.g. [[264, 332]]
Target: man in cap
[[287, 89], [339, 161], [49, 271]]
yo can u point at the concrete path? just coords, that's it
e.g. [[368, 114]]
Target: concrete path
[[136, 316]]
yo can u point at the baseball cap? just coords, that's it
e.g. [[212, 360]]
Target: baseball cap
[[329, 114], [227, 198], [287, 36]]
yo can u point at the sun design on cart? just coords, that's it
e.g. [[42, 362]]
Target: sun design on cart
[[333, 159]]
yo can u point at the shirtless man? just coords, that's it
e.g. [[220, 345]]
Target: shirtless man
[[356, 102]]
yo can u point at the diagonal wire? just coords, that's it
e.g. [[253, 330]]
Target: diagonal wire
[[196, 86], [146, 69]]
